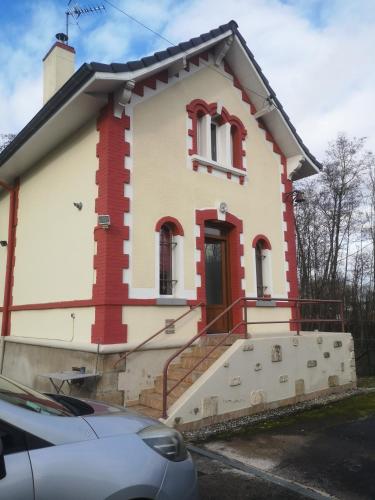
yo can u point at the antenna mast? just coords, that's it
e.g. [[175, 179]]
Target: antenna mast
[[75, 11]]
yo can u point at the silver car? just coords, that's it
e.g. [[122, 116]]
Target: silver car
[[62, 448]]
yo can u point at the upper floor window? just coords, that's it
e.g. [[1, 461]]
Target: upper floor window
[[217, 137]]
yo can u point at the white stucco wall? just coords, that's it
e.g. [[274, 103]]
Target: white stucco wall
[[55, 243], [144, 322], [70, 325], [245, 375], [163, 184], [4, 223]]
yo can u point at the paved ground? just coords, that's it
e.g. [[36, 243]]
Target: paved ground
[[330, 449]]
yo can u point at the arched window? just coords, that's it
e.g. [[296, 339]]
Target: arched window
[[259, 268], [170, 256], [262, 248], [166, 260], [214, 131]]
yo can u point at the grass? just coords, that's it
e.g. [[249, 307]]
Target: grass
[[366, 382], [349, 409]]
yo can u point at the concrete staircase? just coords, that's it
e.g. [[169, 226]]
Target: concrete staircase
[[150, 402]]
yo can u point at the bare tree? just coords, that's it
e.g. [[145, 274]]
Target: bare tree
[[6, 139]]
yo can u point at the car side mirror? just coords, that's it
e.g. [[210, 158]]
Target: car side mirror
[[2, 461]]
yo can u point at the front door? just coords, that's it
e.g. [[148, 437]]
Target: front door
[[216, 250]]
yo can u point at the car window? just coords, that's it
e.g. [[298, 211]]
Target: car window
[[22, 396], [12, 438]]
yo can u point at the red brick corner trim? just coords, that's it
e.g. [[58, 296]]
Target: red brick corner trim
[[176, 227], [236, 250], [11, 259], [109, 262], [264, 239]]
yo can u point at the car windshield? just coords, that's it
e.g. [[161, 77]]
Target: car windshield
[[22, 396]]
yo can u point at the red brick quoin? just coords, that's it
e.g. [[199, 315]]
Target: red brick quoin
[[109, 291]]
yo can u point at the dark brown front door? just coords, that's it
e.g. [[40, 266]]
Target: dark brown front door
[[217, 277]]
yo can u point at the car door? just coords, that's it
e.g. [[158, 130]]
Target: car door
[[16, 481]]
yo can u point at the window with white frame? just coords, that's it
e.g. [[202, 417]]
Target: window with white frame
[[262, 250], [217, 136], [166, 258], [170, 256]]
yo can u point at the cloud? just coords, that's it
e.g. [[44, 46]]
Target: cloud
[[317, 55]]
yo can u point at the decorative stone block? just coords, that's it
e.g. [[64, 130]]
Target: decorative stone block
[[337, 343], [257, 397], [258, 367], [319, 339], [300, 387], [312, 363], [210, 406], [283, 379], [248, 347], [342, 366], [327, 355], [276, 354], [235, 381], [333, 381], [295, 341]]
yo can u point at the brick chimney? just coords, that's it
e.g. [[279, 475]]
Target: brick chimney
[[58, 67]]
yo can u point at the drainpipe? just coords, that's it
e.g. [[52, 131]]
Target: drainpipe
[[13, 193]]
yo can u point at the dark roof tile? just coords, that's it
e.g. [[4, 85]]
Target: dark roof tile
[[71, 86]]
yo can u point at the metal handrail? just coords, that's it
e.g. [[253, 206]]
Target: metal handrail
[[245, 300], [184, 347], [139, 346]]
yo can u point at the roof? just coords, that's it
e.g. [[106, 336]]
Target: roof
[[93, 76]]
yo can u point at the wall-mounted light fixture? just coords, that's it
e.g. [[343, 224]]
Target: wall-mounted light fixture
[[78, 204], [104, 221], [3, 243], [295, 195], [223, 207]]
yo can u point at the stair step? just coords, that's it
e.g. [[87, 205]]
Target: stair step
[[146, 410], [179, 373], [191, 362], [180, 389], [214, 338], [155, 400], [200, 351]]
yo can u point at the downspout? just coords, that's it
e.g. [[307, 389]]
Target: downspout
[[13, 201]]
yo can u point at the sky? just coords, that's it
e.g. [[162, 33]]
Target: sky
[[317, 54]]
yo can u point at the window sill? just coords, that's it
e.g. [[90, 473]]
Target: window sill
[[170, 301], [218, 166], [265, 303]]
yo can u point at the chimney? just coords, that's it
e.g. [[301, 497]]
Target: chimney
[[58, 66]]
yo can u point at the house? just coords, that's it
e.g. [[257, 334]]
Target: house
[[156, 195]]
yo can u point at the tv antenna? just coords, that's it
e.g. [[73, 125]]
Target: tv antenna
[[76, 11]]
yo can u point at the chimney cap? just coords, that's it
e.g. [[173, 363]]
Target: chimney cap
[[61, 37]]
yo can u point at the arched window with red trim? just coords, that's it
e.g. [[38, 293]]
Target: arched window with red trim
[[262, 248], [216, 135], [169, 230], [166, 260]]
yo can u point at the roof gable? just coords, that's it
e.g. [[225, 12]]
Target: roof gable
[[88, 89]]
